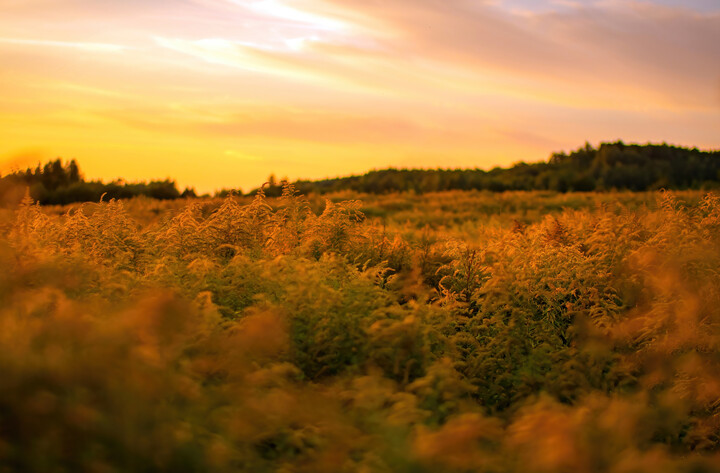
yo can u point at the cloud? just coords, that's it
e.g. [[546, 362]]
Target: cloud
[[289, 124], [335, 65], [624, 55], [93, 47], [663, 53], [592, 53], [283, 10], [483, 82], [49, 8]]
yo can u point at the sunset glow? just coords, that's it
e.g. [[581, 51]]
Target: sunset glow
[[222, 93]]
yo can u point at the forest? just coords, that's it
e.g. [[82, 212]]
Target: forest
[[409, 333], [58, 183], [612, 166]]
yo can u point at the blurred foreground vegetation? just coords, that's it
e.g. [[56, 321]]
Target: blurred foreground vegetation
[[450, 332]]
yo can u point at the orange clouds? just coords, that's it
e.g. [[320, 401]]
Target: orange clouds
[[310, 88]]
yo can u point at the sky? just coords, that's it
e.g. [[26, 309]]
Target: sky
[[222, 93]]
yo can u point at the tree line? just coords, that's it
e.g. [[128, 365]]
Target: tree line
[[58, 183], [611, 166]]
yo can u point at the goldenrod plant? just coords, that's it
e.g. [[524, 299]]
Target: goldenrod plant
[[452, 332]]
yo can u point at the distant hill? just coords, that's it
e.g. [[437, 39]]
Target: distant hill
[[611, 166]]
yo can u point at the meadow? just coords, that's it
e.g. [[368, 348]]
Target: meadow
[[416, 333]]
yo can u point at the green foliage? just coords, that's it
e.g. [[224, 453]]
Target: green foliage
[[612, 166]]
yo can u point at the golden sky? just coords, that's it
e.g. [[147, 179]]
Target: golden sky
[[221, 93]]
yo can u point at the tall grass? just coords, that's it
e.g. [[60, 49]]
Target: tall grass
[[294, 335]]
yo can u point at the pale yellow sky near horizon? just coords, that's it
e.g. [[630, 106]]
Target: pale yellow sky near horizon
[[221, 93]]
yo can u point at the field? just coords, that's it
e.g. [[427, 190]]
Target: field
[[447, 332]]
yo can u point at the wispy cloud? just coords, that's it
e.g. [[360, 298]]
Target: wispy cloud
[[482, 82], [283, 10], [93, 47]]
